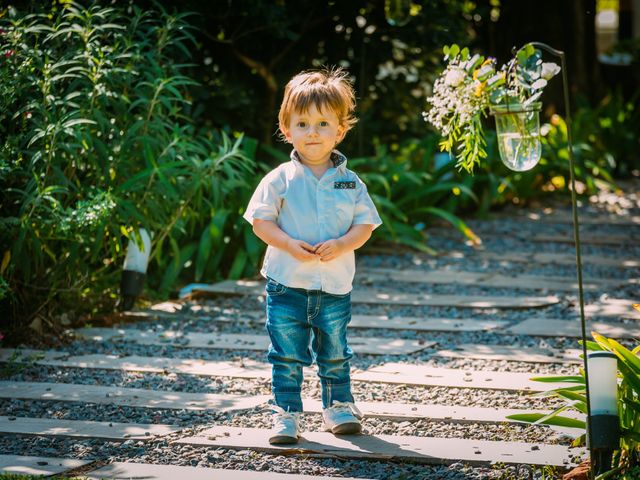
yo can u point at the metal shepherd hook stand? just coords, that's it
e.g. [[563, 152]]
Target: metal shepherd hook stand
[[576, 229]]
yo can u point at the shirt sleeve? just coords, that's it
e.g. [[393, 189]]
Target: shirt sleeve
[[366, 212], [266, 201]]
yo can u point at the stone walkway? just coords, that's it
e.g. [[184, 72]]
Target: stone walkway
[[445, 351]]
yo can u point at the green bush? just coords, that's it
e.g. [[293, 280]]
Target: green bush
[[95, 143], [613, 129], [410, 191]]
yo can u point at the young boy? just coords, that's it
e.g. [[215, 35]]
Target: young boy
[[312, 212]]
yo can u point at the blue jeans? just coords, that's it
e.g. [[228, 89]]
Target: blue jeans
[[306, 325]]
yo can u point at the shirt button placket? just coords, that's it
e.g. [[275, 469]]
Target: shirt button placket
[[322, 198]]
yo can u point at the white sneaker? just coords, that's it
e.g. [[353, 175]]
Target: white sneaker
[[286, 426], [342, 418]]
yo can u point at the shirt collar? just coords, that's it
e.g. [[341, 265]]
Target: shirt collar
[[338, 160]]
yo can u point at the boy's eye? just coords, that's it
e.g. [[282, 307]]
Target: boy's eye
[[324, 124], [302, 124]]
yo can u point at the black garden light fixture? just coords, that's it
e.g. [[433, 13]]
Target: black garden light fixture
[[518, 131], [135, 270]]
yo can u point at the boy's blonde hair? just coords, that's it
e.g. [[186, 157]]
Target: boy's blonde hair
[[326, 88]]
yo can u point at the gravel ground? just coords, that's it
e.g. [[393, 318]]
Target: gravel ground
[[196, 316]]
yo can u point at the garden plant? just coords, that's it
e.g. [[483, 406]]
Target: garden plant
[[626, 460], [97, 141], [470, 85]]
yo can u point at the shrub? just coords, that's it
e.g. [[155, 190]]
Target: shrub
[[410, 191], [95, 143]]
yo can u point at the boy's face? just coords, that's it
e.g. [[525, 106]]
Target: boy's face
[[314, 134]]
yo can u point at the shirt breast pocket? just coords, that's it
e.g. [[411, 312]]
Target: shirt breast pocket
[[345, 209]]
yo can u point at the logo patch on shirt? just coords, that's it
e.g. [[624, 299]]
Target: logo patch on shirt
[[344, 185]]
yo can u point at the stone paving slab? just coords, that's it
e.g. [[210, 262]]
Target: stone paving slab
[[584, 218], [386, 322], [550, 258], [25, 465], [513, 353], [133, 397], [388, 447], [122, 431], [246, 368], [585, 239], [83, 429], [614, 307], [425, 323], [121, 471], [364, 345], [487, 279], [440, 413], [572, 328], [386, 373], [402, 373], [256, 287], [28, 355]]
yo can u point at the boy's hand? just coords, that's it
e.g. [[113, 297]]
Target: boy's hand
[[330, 249], [301, 250]]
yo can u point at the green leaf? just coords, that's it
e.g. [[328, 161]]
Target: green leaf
[[571, 395], [592, 346], [457, 222], [560, 379], [204, 252], [181, 255], [522, 56], [629, 376], [621, 352], [238, 264], [556, 420]]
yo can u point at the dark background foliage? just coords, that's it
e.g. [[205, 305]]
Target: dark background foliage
[[249, 49]]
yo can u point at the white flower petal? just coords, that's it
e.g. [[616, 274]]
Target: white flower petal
[[549, 70]]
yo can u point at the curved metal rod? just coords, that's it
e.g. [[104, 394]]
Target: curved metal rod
[[544, 46], [576, 225]]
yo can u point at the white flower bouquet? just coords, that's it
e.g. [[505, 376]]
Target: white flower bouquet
[[471, 85]]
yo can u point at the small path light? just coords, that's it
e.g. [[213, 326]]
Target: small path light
[[134, 271], [603, 398]]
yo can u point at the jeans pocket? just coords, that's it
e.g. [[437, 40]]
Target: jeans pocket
[[274, 288], [340, 296]]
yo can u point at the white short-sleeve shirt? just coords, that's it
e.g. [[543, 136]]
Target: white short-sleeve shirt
[[312, 210]]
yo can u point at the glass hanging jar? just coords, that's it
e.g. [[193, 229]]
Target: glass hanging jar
[[518, 130]]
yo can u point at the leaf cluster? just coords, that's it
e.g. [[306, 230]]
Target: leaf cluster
[[411, 191], [470, 86], [95, 143], [627, 457]]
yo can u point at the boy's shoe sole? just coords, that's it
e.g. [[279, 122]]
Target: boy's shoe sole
[[346, 428], [282, 440]]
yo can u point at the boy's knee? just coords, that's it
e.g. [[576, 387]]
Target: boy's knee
[[304, 359]]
